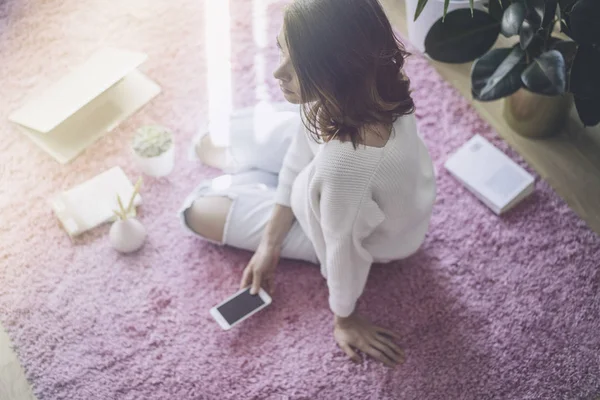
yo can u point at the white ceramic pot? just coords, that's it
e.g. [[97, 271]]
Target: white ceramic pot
[[154, 150], [157, 166], [434, 9], [127, 236]]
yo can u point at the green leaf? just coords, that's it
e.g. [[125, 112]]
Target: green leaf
[[588, 110], [547, 74], [513, 19], [497, 8], [497, 74], [565, 5], [461, 37], [549, 13], [584, 21], [535, 10], [420, 6], [585, 84], [446, 4], [541, 13], [568, 49], [527, 33], [472, 6], [585, 79]]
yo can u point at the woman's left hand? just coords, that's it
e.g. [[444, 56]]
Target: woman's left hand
[[358, 333]]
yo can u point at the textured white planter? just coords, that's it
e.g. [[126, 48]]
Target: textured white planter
[[154, 151], [127, 236], [417, 30], [158, 166]]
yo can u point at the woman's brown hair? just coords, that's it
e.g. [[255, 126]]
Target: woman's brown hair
[[349, 66]]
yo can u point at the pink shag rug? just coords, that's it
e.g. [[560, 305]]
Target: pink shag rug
[[491, 308]]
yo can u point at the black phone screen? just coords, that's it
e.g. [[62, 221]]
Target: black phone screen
[[240, 306]]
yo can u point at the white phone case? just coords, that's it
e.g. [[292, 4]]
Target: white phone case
[[223, 322]]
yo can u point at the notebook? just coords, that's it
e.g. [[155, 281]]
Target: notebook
[[490, 175], [91, 203], [86, 103]]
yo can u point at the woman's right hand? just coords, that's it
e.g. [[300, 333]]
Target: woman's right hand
[[260, 271]]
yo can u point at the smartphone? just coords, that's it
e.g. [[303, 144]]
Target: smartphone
[[239, 306]]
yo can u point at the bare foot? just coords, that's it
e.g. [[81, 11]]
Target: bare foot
[[211, 155]]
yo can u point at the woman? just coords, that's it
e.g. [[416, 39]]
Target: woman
[[356, 185]]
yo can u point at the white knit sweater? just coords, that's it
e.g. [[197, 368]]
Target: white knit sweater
[[372, 204]]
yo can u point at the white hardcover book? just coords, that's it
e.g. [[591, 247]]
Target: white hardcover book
[[490, 175]]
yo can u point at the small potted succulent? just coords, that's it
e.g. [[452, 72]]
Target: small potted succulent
[[154, 151], [555, 60]]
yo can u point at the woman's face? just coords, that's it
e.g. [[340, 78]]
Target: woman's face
[[285, 73]]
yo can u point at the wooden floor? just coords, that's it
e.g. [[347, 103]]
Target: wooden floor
[[13, 384], [569, 162]]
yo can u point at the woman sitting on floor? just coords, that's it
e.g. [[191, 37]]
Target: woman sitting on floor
[[344, 183]]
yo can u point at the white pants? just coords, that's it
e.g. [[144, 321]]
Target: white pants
[[258, 142]]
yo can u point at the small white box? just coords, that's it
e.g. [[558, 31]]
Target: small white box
[[490, 175]]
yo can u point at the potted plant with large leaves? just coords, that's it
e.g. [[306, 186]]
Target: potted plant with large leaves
[[417, 29], [556, 58]]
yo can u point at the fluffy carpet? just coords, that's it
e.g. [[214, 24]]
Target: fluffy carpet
[[491, 308]]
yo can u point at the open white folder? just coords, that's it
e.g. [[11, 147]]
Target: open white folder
[[86, 103]]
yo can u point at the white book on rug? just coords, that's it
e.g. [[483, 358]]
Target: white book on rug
[[490, 175], [91, 203]]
